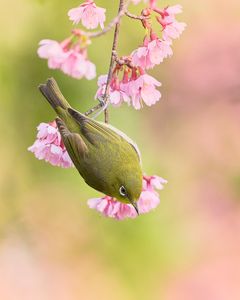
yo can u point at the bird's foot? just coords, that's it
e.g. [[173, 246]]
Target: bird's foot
[[104, 104]]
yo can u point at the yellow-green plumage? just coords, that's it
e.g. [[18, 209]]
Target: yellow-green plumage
[[106, 159]]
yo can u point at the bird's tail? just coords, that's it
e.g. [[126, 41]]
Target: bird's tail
[[52, 93]]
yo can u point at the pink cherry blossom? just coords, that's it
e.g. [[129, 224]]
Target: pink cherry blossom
[[169, 11], [110, 207], [53, 51], [149, 199], [158, 50], [76, 66], [132, 90], [69, 58], [173, 10], [151, 54], [90, 15], [102, 81], [153, 182], [172, 29], [116, 95], [141, 58], [49, 146], [142, 89]]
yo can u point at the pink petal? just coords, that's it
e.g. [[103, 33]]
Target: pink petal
[[158, 182], [148, 201], [90, 15], [75, 14], [173, 10], [150, 95], [115, 98], [90, 70]]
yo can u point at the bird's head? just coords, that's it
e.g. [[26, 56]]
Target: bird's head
[[128, 188]]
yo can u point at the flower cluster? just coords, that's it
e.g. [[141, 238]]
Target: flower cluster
[[171, 28], [151, 53], [49, 146], [129, 82], [149, 199], [135, 87], [70, 55]]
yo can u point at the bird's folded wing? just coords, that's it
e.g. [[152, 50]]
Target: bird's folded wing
[[101, 132], [73, 142], [93, 131]]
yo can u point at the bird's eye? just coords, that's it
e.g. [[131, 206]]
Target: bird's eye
[[123, 191]]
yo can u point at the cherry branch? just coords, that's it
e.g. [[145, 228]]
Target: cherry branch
[[123, 60], [135, 17], [116, 22], [113, 56]]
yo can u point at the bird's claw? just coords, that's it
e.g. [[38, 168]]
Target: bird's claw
[[101, 101], [103, 104]]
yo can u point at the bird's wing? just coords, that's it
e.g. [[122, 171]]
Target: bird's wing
[[92, 130], [100, 132], [73, 142], [128, 139]]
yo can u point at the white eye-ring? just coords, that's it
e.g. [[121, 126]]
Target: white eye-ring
[[123, 191]]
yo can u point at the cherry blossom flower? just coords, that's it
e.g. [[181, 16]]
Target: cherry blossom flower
[[158, 50], [149, 200], [142, 89], [173, 10], [116, 95], [169, 11], [110, 207], [53, 52], [49, 146], [151, 54], [77, 66], [141, 58], [90, 15], [172, 29], [68, 57], [131, 90], [151, 182]]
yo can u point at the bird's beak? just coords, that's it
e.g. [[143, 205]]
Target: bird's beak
[[134, 204]]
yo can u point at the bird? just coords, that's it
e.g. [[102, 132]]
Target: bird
[[106, 158]]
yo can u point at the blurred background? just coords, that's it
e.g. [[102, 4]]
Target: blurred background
[[52, 246]]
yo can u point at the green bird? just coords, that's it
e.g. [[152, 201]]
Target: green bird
[[105, 157]]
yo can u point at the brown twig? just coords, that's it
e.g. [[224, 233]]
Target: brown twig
[[124, 60], [116, 22], [135, 17], [113, 56]]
